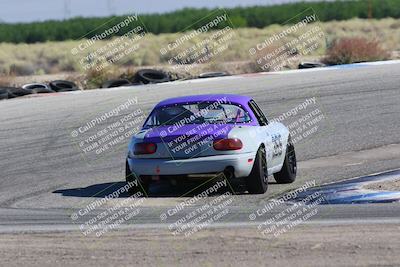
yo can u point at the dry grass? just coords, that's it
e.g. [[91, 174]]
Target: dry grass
[[55, 57], [7, 80]]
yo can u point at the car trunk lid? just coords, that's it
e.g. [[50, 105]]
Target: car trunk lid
[[186, 141]]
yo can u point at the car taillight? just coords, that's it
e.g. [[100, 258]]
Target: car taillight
[[227, 144], [145, 148]]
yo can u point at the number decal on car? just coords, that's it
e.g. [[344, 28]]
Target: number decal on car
[[277, 142]]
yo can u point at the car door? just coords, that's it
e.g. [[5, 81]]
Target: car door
[[266, 134]]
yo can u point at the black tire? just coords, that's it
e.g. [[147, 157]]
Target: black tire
[[16, 91], [309, 65], [136, 83], [289, 169], [116, 83], [142, 187], [63, 86], [38, 88], [257, 181], [3, 94], [151, 76], [213, 74]]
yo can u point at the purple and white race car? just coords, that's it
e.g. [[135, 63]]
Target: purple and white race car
[[200, 135]]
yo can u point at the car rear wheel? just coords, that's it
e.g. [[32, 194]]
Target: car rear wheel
[[257, 181], [142, 187], [289, 168]]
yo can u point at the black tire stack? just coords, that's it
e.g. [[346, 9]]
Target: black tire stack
[[63, 86], [12, 92], [7, 92], [38, 88], [145, 76]]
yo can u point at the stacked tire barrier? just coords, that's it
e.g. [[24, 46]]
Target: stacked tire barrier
[[145, 76], [309, 65], [37, 88], [63, 86], [213, 74], [12, 92], [116, 83]]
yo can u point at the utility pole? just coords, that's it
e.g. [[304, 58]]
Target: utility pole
[[111, 7], [67, 9], [370, 9]]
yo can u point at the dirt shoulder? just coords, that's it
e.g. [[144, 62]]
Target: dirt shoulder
[[385, 186], [306, 245]]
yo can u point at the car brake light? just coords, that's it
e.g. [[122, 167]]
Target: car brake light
[[227, 144], [145, 148]]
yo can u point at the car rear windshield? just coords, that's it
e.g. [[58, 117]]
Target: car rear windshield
[[198, 113]]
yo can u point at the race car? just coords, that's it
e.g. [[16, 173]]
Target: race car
[[210, 135]]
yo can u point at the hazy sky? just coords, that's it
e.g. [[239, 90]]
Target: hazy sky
[[34, 10]]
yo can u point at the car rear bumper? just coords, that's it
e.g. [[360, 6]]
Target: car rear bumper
[[210, 164]]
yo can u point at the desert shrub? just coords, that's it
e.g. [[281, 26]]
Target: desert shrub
[[95, 78], [68, 64], [354, 49], [21, 68]]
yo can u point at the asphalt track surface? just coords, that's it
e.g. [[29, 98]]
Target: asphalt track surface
[[45, 177]]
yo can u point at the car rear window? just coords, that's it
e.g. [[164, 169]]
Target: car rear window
[[198, 113]]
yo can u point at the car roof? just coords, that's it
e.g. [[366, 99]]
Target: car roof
[[238, 99]]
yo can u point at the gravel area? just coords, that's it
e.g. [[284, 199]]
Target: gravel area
[[385, 186], [305, 245]]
